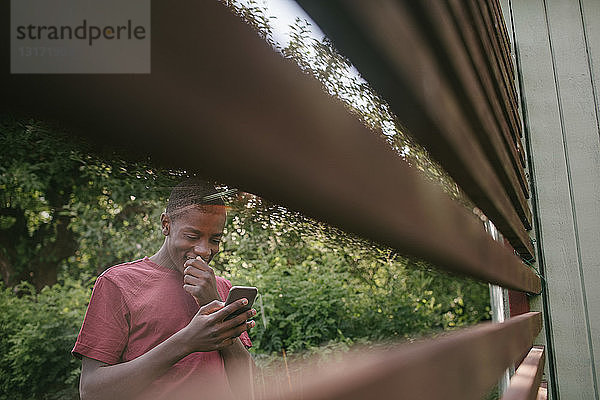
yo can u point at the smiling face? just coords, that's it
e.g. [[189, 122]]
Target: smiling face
[[194, 231]]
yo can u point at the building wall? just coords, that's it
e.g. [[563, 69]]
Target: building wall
[[556, 46]]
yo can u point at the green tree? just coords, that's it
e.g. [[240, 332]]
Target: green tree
[[37, 174], [61, 207]]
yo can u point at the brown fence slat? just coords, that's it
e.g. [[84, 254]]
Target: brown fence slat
[[504, 64], [481, 14], [384, 40], [223, 103], [499, 35], [475, 103], [496, 83], [463, 365], [525, 383], [489, 13], [502, 33], [498, 27]]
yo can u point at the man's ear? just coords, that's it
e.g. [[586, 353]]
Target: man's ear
[[165, 223]]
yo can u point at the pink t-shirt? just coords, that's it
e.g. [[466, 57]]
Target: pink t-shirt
[[136, 306]]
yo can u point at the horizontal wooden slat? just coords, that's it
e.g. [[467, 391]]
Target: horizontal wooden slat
[[525, 383], [480, 11], [488, 14], [486, 126], [506, 67], [463, 365], [385, 41], [494, 80], [500, 28], [224, 104], [499, 33]]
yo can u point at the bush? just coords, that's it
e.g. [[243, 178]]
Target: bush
[[300, 310], [37, 333], [318, 285]]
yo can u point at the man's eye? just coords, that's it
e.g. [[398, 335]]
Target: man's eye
[[216, 241], [191, 237]]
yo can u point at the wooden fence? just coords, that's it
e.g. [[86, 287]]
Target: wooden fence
[[220, 102]]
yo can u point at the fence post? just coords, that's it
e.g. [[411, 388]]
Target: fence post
[[500, 307]]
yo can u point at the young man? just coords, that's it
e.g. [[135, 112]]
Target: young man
[[155, 326]]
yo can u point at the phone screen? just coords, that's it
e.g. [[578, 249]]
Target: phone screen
[[239, 292]]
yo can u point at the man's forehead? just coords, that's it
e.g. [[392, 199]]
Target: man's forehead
[[202, 208], [208, 208]]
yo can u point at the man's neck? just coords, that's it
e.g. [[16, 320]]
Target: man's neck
[[163, 260]]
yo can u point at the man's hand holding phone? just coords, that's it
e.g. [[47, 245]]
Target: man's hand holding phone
[[241, 292], [214, 327]]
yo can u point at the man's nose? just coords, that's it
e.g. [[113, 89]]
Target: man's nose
[[203, 251]]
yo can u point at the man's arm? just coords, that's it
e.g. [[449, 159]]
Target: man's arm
[[200, 282], [128, 379], [239, 367], [206, 332]]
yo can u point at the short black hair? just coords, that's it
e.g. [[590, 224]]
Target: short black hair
[[192, 192]]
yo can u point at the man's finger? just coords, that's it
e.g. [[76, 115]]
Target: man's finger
[[211, 307], [239, 319], [192, 280], [197, 268], [199, 261], [225, 311], [236, 331]]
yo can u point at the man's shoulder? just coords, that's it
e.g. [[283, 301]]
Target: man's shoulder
[[127, 269]]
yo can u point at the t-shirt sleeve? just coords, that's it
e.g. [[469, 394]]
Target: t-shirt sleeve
[[223, 286], [105, 328]]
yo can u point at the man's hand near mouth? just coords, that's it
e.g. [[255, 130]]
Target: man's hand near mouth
[[199, 281]]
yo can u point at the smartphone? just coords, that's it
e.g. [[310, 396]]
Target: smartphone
[[239, 292]]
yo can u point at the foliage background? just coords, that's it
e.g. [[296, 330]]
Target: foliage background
[[67, 214], [318, 285]]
